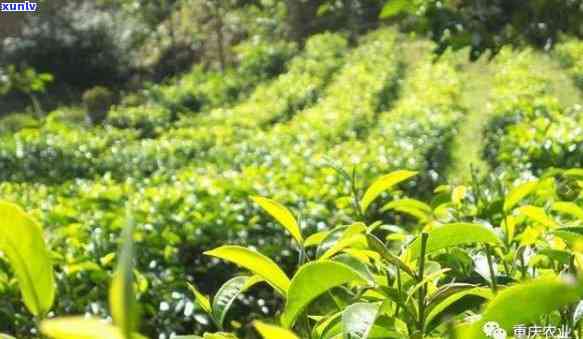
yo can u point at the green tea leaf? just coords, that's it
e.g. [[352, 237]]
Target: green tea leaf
[[394, 7], [80, 328], [282, 215], [356, 240], [219, 335], [382, 184], [256, 263], [332, 239], [436, 308], [122, 296], [458, 194], [568, 208], [574, 172], [21, 241], [228, 293], [358, 320], [316, 238], [273, 332], [518, 193], [308, 284], [544, 295], [538, 215], [450, 235], [416, 208], [571, 235], [201, 299], [376, 245]]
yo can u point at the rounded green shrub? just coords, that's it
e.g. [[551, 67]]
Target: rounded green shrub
[[97, 101]]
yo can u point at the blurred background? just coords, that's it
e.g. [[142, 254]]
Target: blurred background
[[180, 110]]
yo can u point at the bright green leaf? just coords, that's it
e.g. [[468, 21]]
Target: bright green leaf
[[228, 293], [382, 184], [256, 263], [80, 328], [394, 7], [450, 235], [416, 208], [458, 194], [538, 215], [22, 242], [202, 301], [435, 309], [568, 208], [273, 332], [122, 296], [524, 303], [316, 238], [308, 284], [282, 215], [358, 320], [518, 193], [376, 245], [332, 239]]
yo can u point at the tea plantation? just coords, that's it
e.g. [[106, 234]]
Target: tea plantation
[[340, 190]]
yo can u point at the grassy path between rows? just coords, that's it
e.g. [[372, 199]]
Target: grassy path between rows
[[468, 146]]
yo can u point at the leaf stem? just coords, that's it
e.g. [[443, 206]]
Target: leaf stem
[[491, 268], [399, 288], [423, 289]]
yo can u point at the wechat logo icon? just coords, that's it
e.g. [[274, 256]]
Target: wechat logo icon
[[493, 330]]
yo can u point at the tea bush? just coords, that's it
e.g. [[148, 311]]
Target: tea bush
[[55, 152], [447, 274], [202, 90], [131, 207], [568, 53], [97, 102], [150, 121], [532, 132]]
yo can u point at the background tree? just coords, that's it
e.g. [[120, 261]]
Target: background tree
[[488, 25], [27, 82]]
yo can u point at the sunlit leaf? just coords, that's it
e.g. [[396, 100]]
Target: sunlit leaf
[[541, 296], [376, 245], [308, 284], [358, 320], [316, 238], [416, 208], [458, 194], [80, 328], [518, 193], [568, 208], [273, 332], [21, 241], [122, 297], [382, 184], [282, 215], [256, 263], [201, 299], [436, 307], [450, 235], [394, 7], [537, 214], [332, 239], [219, 335], [228, 293]]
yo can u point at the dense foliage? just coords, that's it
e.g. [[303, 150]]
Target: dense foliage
[[344, 145]]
